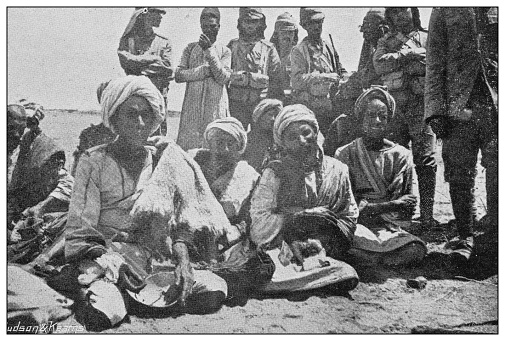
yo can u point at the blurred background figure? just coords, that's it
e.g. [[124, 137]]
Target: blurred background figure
[[461, 101], [255, 64], [285, 37], [205, 68]]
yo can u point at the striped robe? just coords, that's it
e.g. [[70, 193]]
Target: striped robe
[[206, 99]]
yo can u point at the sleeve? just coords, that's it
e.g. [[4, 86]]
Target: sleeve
[[84, 212], [404, 175], [385, 62], [166, 54], [184, 74], [63, 190], [275, 89], [436, 67], [346, 208], [220, 67], [300, 76], [265, 222], [133, 63]]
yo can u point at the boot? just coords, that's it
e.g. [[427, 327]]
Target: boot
[[426, 176], [463, 208]]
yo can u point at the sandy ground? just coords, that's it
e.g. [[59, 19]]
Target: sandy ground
[[454, 300]]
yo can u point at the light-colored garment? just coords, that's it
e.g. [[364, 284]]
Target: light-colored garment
[[233, 188], [380, 176], [104, 195], [256, 57], [334, 193], [308, 62], [206, 73]]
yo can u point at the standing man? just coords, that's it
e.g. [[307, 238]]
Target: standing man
[[205, 67], [144, 52], [347, 126], [285, 37], [255, 64], [315, 69], [400, 60], [461, 106]]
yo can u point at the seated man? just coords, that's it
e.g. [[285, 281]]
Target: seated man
[[381, 177], [38, 183], [261, 147], [124, 213], [231, 180], [303, 206]]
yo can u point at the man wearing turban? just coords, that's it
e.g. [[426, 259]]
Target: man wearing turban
[[205, 68], [381, 175], [255, 64], [104, 224]]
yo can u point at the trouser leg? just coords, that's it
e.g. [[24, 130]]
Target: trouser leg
[[459, 153], [426, 176], [423, 149]]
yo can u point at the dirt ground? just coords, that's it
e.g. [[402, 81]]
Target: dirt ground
[[454, 300]]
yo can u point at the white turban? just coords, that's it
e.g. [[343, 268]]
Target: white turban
[[231, 126], [119, 90], [264, 106], [290, 114]]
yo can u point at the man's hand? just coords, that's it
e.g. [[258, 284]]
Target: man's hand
[[36, 211], [160, 142], [204, 42], [441, 126], [184, 278], [406, 203]]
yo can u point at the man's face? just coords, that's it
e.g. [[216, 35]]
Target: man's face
[[371, 28], [314, 28], [16, 125], [300, 139], [266, 121], [225, 146], [153, 18], [210, 27], [286, 38], [403, 20], [134, 120], [250, 26], [375, 120]]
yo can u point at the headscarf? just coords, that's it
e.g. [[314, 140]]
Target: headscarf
[[375, 92], [136, 14], [250, 12], [211, 11], [285, 22], [119, 90], [308, 14], [231, 126], [290, 114], [264, 106]]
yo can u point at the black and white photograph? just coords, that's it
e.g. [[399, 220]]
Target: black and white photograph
[[251, 170]]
